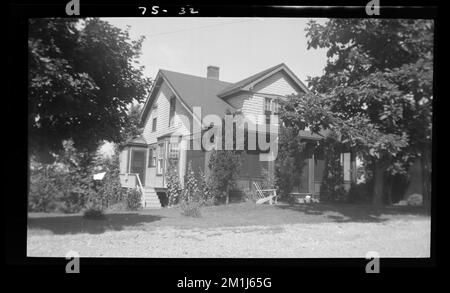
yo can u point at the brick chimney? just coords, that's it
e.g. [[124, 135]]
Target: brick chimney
[[213, 72]]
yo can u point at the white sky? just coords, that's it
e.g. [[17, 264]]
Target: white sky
[[239, 46]]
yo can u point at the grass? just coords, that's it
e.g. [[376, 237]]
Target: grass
[[233, 215]]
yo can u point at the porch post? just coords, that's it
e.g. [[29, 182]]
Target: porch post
[[311, 174]]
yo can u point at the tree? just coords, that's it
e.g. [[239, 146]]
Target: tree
[[82, 76], [132, 127], [375, 93]]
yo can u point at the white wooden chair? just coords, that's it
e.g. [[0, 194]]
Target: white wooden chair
[[262, 194]]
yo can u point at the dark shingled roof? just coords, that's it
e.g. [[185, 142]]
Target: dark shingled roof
[[206, 92], [198, 91], [244, 82]]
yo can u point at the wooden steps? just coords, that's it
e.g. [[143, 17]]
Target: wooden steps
[[151, 200]]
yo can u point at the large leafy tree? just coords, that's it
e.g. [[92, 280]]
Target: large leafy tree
[[83, 74], [133, 126], [375, 93]]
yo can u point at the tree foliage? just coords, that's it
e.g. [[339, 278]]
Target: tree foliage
[[375, 94], [82, 76]]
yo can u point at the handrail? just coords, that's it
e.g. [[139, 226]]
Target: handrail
[[141, 187], [139, 183]]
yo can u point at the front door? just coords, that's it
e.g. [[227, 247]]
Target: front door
[[138, 163]]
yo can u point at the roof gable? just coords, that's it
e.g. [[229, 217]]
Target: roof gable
[[195, 91], [249, 82], [192, 91]]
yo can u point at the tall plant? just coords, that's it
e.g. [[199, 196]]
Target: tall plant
[[224, 167], [173, 183]]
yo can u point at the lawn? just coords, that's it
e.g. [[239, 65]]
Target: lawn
[[232, 231]]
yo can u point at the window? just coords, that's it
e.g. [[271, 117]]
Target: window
[[160, 162], [173, 150], [275, 106], [267, 104], [271, 105], [151, 157], [154, 124], [172, 111]]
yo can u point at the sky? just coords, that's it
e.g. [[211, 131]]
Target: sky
[[239, 46]]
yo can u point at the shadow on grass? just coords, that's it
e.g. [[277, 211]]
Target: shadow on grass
[[75, 224], [342, 213]]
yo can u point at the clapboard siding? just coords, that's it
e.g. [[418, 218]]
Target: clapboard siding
[[277, 84], [252, 103], [161, 111], [252, 106]]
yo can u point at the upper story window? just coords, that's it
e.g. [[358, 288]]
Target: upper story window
[[270, 105], [154, 121], [267, 102], [172, 111], [275, 106]]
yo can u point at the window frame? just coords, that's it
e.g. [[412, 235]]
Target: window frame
[[154, 123], [172, 109], [160, 159], [151, 155]]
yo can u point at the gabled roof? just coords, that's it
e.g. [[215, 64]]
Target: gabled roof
[[254, 78], [209, 93], [198, 91]]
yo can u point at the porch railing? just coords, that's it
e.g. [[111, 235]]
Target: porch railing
[[137, 183]]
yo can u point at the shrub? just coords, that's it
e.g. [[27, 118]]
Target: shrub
[[94, 214], [191, 191], [206, 189], [191, 209], [134, 199], [173, 183], [290, 161], [43, 191], [224, 166], [332, 188]]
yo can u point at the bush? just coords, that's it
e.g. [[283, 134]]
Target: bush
[[191, 209], [173, 184], [290, 161], [134, 199], [191, 190], [206, 189], [332, 188], [94, 214], [224, 166], [43, 191]]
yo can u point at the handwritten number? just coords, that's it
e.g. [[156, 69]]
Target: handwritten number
[[144, 9]]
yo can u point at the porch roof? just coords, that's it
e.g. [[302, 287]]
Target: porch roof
[[136, 141]]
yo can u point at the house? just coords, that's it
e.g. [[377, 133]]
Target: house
[[172, 120]]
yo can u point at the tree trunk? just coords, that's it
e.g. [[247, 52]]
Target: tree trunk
[[378, 184], [388, 189], [426, 178]]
